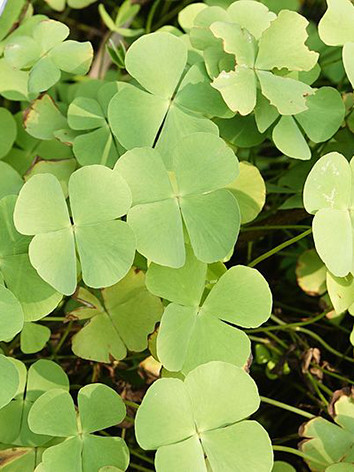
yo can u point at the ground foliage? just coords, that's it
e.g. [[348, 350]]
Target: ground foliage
[[176, 236]]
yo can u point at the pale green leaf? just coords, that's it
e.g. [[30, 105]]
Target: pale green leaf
[[100, 407], [289, 139], [333, 236], [336, 26], [291, 51], [157, 61], [287, 95], [238, 89]]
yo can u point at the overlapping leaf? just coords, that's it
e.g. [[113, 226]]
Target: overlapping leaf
[[200, 425], [331, 443], [98, 145], [328, 195], [42, 376], [169, 104], [99, 407], [45, 52], [105, 244], [124, 321], [30, 297], [336, 29], [202, 166], [192, 331], [240, 55]]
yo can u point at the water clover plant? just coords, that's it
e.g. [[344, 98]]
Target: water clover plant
[[335, 29], [108, 332], [244, 42], [99, 407], [10, 378], [194, 329], [32, 297], [105, 244], [329, 442], [165, 98], [328, 195], [97, 146], [163, 201], [43, 376], [59, 5], [198, 424], [45, 53]]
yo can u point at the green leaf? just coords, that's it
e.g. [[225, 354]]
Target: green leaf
[[340, 291], [10, 380], [328, 442], [280, 466], [43, 118], [98, 196], [10, 180], [253, 16], [311, 273], [238, 89], [100, 407], [289, 139], [328, 185], [34, 337], [191, 332], [129, 315], [324, 116], [36, 297], [287, 95], [186, 411], [145, 56], [291, 52], [43, 376], [11, 315], [249, 190], [184, 286], [162, 207], [333, 236], [335, 27], [348, 62], [8, 131], [54, 414], [225, 453]]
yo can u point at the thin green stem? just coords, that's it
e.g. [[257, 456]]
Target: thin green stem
[[281, 246], [275, 227], [324, 344], [290, 450], [285, 326], [142, 457], [139, 467], [284, 406], [62, 339], [132, 404]]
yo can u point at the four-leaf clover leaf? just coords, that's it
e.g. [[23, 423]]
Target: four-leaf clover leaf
[[99, 407], [42, 376], [165, 102], [98, 145], [45, 51], [249, 40], [328, 443], [193, 193], [199, 424], [123, 322], [105, 244], [195, 330], [328, 194]]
